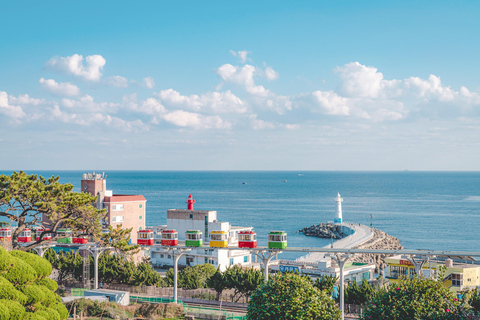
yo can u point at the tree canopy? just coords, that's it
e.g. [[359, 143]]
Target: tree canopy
[[25, 290], [24, 199], [417, 299], [291, 296]]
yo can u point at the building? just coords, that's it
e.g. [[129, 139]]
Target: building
[[353, 271], [127, 210], [458, 274], [206, 221]]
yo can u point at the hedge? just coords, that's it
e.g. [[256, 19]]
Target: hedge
[[41, 266]]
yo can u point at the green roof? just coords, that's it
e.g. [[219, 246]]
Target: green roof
[[277, 232], [193, 231]]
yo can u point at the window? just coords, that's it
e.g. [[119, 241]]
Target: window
[[206, 260], [216, 237], [169, 257], [117, 219], [457, 279], [366, 275], [245, 259], [140, 217], [161, 256], [117, 207], [194, 236], [191, 215], [231, 261], [397, 272], [140, 206]]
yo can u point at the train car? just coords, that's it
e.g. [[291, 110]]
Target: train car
[[193, 238], [5, 234], [46, 236], [219, 239], [25, 236], [145, 237], [277, 240], [247, 239], [80, 239], [169, 238], [66, 234]]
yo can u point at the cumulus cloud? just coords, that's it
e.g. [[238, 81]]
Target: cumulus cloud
[[182, 118], [148, 82], [242, 76], [330, 103], [90, 70], [258, 124], [271, 74], [87, 104], [25, 99], [242, 55], [59, 89], [15, 112], [211, 102], [117, 81]]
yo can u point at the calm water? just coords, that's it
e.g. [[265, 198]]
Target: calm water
[[425, 210]]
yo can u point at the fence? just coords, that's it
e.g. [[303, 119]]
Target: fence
[[204, 294]]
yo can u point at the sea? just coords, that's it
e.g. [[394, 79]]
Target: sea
[[424, 210]]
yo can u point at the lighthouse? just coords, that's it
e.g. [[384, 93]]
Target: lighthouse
[[190, 203], [338, 213]]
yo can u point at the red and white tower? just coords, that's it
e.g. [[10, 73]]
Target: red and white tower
[[190, 202]]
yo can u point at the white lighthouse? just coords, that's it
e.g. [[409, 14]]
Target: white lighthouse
[[338, 213]]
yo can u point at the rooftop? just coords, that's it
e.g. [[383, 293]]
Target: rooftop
[[124, 198]]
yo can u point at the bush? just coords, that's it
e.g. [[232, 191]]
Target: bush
[[291, 297], [20, 272], [4, 312], [44, 314], [52, 313], [8, 292], [47, 282], [417, 298], [61, 309], [33, 316], [6, 260], [40, 295], [41, 266], [15, 309]]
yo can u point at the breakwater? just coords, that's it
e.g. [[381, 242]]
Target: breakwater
[[327, 231]]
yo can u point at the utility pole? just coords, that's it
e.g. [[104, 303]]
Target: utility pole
[[371, 220]]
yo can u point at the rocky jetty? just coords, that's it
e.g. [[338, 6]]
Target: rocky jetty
[[324, 230], [379, 241]]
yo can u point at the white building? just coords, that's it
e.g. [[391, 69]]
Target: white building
[[182, 220]]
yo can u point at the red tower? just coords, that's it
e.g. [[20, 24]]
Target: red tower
[[190, 202]]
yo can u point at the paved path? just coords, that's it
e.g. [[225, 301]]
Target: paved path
[[361, 234]]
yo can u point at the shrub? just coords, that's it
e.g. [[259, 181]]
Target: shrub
[[291, 297], [417, 298], [47, 282], [61, 309], [6, 260], [4, 312], [33, 316], [15, 309], [41, 266], [8, 292], [20, 272], [39, 295], [44, 314]]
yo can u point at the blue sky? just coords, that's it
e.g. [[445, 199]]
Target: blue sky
[[217, 85]]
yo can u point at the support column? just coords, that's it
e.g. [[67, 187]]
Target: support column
[[341, 260], [95, 251], [267, 256], [418, 263], [176, 254]]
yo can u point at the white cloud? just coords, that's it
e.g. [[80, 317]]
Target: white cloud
[[59, 89], [196, 121], [271, 74], [117, 81], [87, 104], [91, 70], [149, 82], [258, 124], [210, 102], [25, 99], [331, 103], [242, 76], [7, 109], [242, 55]]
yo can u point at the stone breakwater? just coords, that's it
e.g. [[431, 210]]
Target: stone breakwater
[[380, 241], [324, 230]]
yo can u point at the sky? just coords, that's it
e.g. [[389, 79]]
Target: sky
[[250, 85]]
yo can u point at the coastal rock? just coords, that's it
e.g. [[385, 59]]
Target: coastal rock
[[324, 230]]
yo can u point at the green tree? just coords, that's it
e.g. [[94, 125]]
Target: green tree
[[218, 282], [24, 199], [25, 290], [416, 299], [326, 283], [119, 239], [290, 296]]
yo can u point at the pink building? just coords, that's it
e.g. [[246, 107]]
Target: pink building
[[127, 210]]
